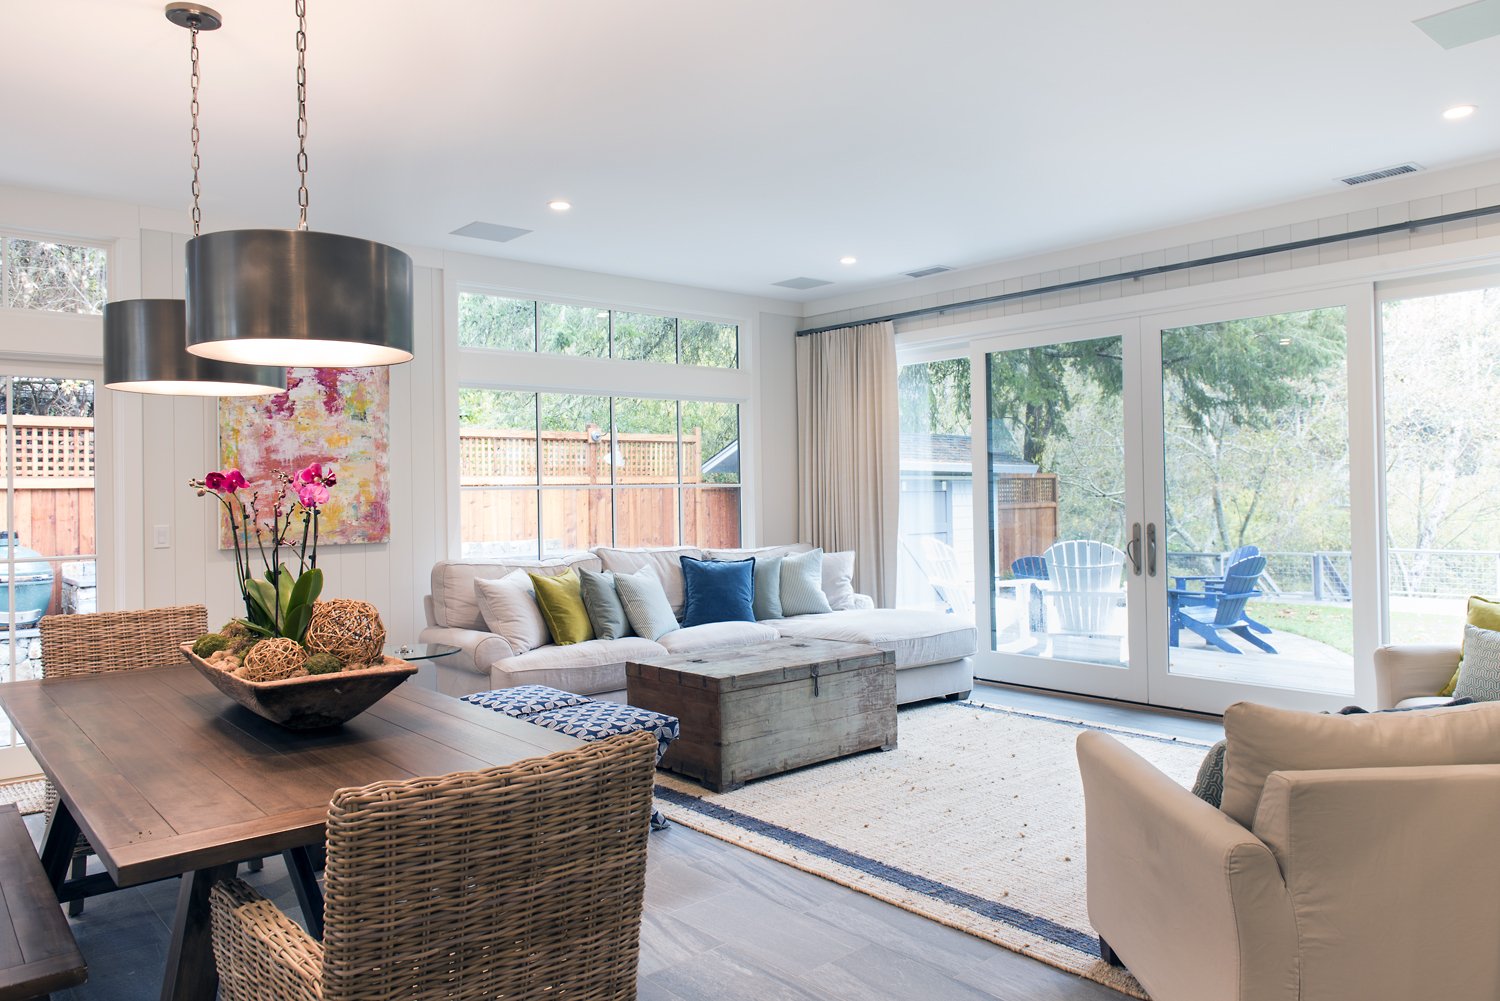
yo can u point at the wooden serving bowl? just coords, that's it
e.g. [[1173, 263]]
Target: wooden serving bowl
[[310, 702]]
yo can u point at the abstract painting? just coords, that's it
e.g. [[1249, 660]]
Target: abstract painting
[[334, 416]]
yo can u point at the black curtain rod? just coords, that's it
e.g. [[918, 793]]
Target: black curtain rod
[[1161, 269]]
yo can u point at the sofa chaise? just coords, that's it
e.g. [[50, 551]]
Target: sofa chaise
[[933, 650]]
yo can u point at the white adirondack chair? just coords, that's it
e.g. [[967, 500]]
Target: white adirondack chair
[[940, 562], [1086, 580]]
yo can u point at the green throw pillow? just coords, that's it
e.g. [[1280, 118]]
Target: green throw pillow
[[1483, 613], [561, 601]]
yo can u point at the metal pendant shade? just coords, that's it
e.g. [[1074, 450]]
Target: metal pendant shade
[[298, 298], [145, 352]]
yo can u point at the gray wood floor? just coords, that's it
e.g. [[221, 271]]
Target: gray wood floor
[[721, 923]]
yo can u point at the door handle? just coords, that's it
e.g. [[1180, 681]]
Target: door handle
[[1133, 549], [1151, 549]]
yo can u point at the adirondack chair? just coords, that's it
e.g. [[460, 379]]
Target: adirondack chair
[[1086, 583], [940, 562], [1213, 584], [1031, 568], [1221, 611]]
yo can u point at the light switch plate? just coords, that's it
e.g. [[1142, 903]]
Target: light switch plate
[[162, 538]]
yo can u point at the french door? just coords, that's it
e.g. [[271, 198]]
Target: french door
[[47, 519], [1183, 506]]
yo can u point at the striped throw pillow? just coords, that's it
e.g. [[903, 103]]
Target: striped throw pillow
[[802, 584]]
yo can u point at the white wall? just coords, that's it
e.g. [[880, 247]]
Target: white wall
[[149, 447]]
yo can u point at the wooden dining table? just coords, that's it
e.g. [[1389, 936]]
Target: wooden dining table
[[167, 777]]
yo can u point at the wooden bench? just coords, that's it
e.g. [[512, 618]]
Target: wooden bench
[[37, 951]]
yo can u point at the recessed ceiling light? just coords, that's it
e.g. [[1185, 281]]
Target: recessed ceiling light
[[559, 205], [848, 260], [1458, 111]]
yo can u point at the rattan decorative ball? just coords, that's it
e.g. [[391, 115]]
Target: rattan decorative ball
[[350, 630], [273, 659]]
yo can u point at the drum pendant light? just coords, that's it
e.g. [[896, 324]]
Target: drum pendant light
[[145, 340], [295, 297]]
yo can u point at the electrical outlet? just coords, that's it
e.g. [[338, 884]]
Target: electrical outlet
[[163, 537]]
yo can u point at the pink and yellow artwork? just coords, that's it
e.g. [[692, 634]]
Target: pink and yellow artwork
[[333, 416]]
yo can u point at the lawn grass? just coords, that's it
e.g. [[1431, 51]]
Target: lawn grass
[[1333, 624]]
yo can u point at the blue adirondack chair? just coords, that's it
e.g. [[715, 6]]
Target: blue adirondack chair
[[1212, 613], [1213, 584], [1032, 568]]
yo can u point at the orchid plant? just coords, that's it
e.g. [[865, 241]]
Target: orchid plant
[[278, 602]]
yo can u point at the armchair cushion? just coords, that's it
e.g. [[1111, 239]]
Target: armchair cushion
[[1262, 740], [1479, 674], [1485, 614]]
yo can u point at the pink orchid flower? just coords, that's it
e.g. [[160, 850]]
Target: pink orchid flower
[[312, 474], [312, 495], [234, 480]]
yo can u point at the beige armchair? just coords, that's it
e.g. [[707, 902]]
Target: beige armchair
[[524, 882], [1412, 671], [1373, 883]]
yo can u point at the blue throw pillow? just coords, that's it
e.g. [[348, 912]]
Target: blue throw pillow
[[718, 591]]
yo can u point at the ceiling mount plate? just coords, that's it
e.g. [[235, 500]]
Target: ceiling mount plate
[[193, 15]]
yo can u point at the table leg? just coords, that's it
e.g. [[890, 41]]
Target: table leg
[[299, 866], [57, 847], [191, 974]]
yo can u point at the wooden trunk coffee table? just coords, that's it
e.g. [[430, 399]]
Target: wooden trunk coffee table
[[762, 710]]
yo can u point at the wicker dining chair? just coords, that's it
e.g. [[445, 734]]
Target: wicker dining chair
[[99, 642], [523, 881]]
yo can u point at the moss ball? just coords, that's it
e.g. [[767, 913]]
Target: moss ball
[[208, 644], [323, 663]]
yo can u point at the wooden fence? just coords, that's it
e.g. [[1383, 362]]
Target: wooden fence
[[575, 519], [509, 458], [1025, 516]]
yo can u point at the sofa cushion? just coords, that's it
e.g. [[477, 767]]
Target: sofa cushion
[[511, 611], [561, 600], [718, 591], [916, 637], [717, 636], [802, 584], [1479, 674], [666, 562], [585, 668], [645, 603], [1262, 740], [454, 603], [758, 552]]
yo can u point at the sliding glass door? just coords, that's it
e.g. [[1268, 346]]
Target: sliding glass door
[[1178, 512], [1065, 594]]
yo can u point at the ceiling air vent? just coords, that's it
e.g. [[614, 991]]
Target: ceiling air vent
[[936, 269], [802, 283], [1381, 174], [491, 231]]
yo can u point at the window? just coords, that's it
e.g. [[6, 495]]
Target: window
[[490, 321], [542, 474], [1441, 363], [57, 277]]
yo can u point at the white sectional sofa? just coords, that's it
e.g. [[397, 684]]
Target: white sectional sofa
[[933, 650]]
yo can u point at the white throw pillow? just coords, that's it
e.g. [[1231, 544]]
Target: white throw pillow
[[510, 611], [801, 584], [838, 580]]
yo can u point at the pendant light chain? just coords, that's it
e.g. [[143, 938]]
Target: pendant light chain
[[301, 7], [197, 162]]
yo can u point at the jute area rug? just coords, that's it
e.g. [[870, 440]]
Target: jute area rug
[[29, 795], [975, 820]]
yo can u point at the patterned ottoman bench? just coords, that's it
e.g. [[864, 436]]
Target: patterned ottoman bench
[[581, 717]]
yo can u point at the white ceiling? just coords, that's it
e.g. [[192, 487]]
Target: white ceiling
[[731, 144]]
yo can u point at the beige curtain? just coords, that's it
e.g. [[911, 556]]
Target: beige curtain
[[848, 450]]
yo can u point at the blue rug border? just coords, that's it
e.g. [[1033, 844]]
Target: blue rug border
[[1014, 917]]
